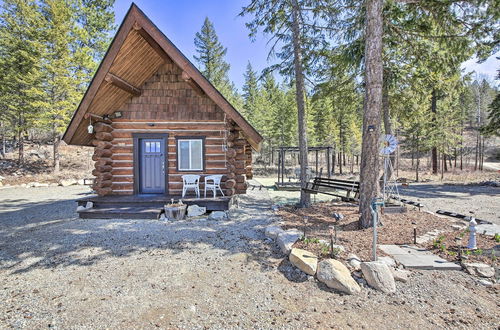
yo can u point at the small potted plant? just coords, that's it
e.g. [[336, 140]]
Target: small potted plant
[[175, 211]]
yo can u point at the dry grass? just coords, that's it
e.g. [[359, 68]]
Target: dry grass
[[75, 162]]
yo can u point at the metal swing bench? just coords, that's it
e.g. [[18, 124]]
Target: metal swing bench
[[334, 187]]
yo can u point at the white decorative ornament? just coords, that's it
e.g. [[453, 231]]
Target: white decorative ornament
[[90, 129], [390, 144]]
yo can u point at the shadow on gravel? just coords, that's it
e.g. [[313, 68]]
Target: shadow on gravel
[[49, 235], [447, 191]]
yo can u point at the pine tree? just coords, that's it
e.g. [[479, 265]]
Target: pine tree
[[70, 55], [250, 95], [294, 29], [212, 64], [20, 51]]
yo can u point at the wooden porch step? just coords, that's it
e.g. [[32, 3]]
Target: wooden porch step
[[121, 212]]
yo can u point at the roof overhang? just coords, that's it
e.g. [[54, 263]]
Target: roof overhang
[[114, 82]]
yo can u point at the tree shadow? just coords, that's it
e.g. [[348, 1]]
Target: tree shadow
[[48, 235], [447, 191]]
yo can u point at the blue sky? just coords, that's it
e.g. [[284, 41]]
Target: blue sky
[[181, 19]]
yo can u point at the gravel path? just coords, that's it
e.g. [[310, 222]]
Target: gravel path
[[484, 201], [59, 271]]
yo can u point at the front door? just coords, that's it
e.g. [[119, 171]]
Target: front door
[[152, 165]]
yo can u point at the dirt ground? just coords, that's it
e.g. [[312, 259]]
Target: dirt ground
[[61, 272]]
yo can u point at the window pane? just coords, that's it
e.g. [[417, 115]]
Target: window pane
[[157, 147], [148, 146], [196, 155], [184, 155]]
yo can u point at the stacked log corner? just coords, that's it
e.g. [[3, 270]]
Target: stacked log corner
[[248, 161], [102, 157], [236, 161]]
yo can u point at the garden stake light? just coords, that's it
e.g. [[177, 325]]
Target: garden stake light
[[414, 232], [305, 225], [332, 230]]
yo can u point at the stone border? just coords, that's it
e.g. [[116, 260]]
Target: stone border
[[380, 275]]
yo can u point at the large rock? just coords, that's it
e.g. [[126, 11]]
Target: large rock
[[400, 275], [217, 215], [304, 260], [388, 261], [354, 261], [378, 276], [479, 269], [273, 231], [336, 276], [195, 210], [69, 182], [286, 240]]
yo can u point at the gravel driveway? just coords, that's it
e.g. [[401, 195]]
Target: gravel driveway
[[59, 271], [484, 201]]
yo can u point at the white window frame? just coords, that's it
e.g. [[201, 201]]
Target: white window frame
[[190, 140]]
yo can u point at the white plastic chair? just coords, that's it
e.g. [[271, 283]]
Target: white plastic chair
[[191, 181], [214, 185]]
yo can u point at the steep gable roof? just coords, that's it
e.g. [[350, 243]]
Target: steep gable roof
[[137, 51]]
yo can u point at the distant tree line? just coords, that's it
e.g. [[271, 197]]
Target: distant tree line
[[49, 50]]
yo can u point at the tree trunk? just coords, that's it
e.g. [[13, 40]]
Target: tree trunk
[[443, 164], [57, 143], [301, 109], [434, 148], [3, 151], [334, 157], [418, 162], [340, 163], [369, 175], [478, 138], [21, 147]]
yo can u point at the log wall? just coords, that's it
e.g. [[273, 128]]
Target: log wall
[[168, 104]]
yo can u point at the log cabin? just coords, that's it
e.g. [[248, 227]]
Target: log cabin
[[151, 117]]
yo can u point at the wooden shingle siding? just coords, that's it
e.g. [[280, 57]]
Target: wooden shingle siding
[[167, 105]]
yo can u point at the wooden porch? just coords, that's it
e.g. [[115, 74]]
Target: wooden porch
[[143, 206]]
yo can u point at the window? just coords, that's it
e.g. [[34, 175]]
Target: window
[[190, 154]]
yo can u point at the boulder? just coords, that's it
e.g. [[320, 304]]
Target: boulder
[[304, 260], [378, 275], [89, 205], [400, 275], [195, 210], [273, 231], [286, 239], [336, 276], [80, 208], [354, 262], [67, 182], [217, 215], [388, 261], [479, 269]]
